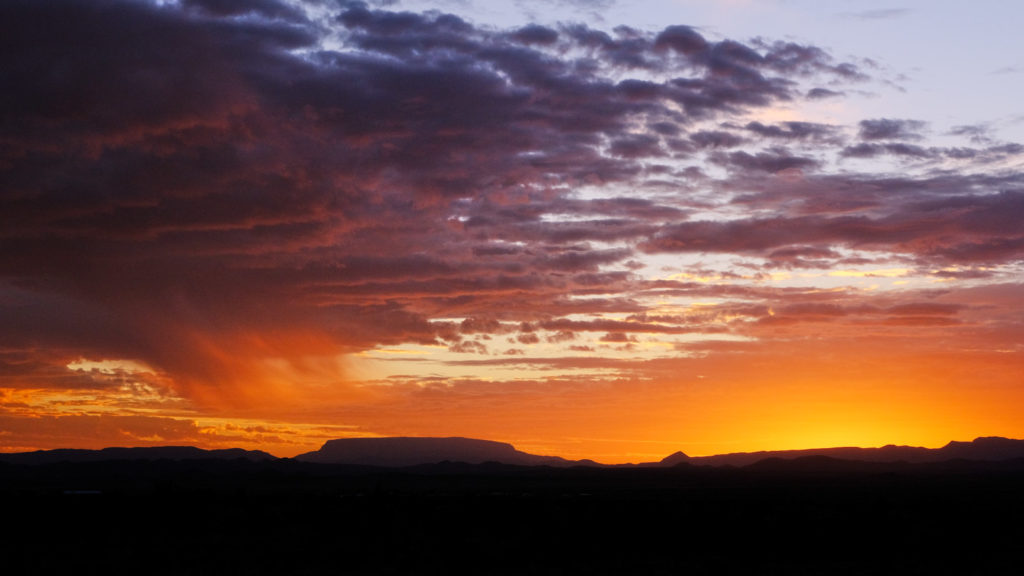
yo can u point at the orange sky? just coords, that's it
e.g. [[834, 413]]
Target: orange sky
[[587, 242]]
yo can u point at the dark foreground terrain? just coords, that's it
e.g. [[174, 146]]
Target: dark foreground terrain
[[807, 516]]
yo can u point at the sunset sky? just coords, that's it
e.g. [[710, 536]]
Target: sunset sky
[[593, 229]]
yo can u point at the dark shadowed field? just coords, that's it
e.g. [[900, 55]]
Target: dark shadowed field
[[810, 516]]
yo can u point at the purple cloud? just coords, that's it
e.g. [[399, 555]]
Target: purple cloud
[[890, 129]]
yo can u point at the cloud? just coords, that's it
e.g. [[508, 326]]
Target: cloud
[[240, 196], [266, 8], [796, 131], [890, 129], [715, 139], [682, 39], [866, 150], [536, 34], [978, 133], [822, 93], [953, 228], [771, 161]]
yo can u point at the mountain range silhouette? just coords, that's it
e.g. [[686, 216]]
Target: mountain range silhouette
[[398, 452], [989, 448], [140, 453]]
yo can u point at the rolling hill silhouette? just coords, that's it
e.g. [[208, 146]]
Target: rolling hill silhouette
[[143, 453], [399, 452], [989, 448]]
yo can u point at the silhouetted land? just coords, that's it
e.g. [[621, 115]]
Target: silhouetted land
[[811, 515], [409, 451]]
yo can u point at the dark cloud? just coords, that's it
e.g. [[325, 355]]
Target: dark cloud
[[891, 129], [796, 131], [867, 150], [536, 34], [682, 39], [485, 325], [265, 8], [1009, 149], [913, 151], [771, 161], [716, 139], [822, 93], [639, 146], [801, 60]]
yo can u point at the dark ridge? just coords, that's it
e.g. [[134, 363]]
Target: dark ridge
[[984, 448], [980, 449], [402, 452], [145, 453]]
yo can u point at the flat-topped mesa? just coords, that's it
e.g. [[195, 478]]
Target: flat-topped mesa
[[410, 451]]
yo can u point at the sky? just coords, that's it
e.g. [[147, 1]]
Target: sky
[[607, 230]]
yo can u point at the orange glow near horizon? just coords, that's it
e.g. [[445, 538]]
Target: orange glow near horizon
[[717, 404]]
